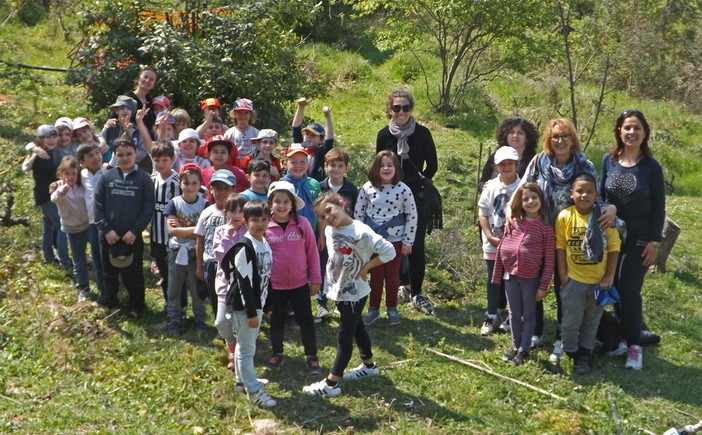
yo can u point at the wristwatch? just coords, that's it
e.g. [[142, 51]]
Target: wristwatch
[[656, 245]]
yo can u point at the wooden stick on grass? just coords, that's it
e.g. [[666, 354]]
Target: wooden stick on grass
[[501, 376], [524, 384]]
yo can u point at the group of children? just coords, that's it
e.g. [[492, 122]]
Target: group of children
[[518, 247], [254, 241]]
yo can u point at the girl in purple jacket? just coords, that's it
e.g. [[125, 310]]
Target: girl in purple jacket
[[525, 261], [295, 273]]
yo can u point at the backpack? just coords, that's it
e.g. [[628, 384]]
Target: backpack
[[233, 299]]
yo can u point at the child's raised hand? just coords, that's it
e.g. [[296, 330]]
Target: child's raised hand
[[111, 123], [302, 102], [141, 113], [326, 110], [253, 322], [63, 188], [53, 186]]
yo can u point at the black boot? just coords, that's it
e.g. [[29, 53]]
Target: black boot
[[582, 362]]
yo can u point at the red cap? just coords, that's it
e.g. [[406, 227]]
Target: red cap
[[207, 102]]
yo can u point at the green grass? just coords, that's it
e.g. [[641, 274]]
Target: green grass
[[66, 368]]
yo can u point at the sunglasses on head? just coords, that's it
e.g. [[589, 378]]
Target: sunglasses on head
[[405, 108]]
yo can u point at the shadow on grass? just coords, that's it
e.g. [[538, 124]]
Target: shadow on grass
[[659, 378], [382, 401]]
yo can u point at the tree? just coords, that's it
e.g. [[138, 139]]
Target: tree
[[229, 52], [473, 39]]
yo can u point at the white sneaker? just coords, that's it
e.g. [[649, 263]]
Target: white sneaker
[[635, 359], [322, 311], [489, 325], [621, 349], [322, 389], [262, 399], [557, 353], [361, 372], [240, 388], [403, 294], [536, 340]]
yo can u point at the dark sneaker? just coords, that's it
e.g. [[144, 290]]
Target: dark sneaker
[[582, 365], [274, 362], [393, 316], [422, 304], [371, 316], [509, 356], [520, 358], [313, 367], [174, 329]]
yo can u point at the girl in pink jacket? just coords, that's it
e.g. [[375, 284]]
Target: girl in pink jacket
[[295, 273]]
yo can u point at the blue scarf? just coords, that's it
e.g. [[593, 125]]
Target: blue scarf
[[556, 182], [304, 193]]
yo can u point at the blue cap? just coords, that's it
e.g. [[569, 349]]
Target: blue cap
[[225, 176], [314, 128]]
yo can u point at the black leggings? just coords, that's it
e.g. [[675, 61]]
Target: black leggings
[[414, 275], [350, 327], [299, 300]]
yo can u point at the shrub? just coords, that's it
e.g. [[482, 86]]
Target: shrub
[[239, 51]]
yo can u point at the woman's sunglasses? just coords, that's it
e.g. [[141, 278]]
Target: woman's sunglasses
[[405, 108]]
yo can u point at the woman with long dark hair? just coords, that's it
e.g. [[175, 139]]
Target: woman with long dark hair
[[632, 180]]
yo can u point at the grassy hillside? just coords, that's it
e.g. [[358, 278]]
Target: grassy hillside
[[68, 368]]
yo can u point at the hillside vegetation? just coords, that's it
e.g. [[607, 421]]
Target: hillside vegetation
[[69, 368]]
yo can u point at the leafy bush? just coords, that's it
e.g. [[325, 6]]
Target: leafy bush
[[239, 51]]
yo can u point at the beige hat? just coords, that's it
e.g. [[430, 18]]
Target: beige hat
[[286, 185]]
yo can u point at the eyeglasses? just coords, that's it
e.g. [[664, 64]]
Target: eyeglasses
[[405, 108], [563, 136]]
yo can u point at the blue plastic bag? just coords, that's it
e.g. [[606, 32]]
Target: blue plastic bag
[[606, 297]]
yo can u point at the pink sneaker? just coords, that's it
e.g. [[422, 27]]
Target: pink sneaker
[[635, 358]]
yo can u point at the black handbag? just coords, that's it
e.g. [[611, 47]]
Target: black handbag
[[433, 204]]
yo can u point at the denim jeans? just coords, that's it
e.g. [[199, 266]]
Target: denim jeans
[[245, 350], [52, 225], [224, 325], [79, 242], [94, 239]]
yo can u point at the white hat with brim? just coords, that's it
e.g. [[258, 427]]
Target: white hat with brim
[[187, 134], [286, 185]]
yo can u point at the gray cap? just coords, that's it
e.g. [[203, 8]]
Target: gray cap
[[267, 133], [46, 130], [125, 101]]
